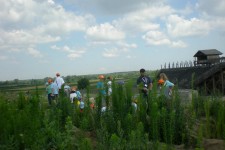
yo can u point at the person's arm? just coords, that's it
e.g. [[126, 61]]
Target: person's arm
[[150, 86], [168, 83]]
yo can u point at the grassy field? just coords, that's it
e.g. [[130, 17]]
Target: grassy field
[[27, 122]]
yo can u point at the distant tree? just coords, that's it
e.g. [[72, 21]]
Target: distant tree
[[83, 83], [16, 81], [68, 78]]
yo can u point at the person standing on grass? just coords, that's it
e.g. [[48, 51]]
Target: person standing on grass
[[67, 89], [144, 84], [59, 81], [75, 94], [101, 89], [109, 85], [55, 91], [50, 91], [166, 85]]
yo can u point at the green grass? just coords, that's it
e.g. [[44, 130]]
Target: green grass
[[27, 122]]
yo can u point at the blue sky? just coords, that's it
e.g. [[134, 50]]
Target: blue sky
[[75, 37]]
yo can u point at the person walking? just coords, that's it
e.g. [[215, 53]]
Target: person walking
[[55, 91], [144, 84], [109, 85], [59, 81], [101, 90], [49, 91]]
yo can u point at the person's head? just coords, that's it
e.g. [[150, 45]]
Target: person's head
[[101, 77], [109, 78], [163, 76], [50, 80], [57, 74], [74, 88], [142, 72]]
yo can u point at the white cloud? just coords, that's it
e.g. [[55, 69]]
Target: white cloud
[[156, 38], [25, 23], [35, 53], [114, 52], [125, 46], [2, 57], [212, 7], [159, 38], [72, 53], [178, 44], [180, 27], [104, 32], [144, 19]]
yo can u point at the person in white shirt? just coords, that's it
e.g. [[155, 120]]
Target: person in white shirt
[[59, 81], [75, 94], [109, 85]]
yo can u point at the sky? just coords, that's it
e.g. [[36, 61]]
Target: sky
[[39, 38]]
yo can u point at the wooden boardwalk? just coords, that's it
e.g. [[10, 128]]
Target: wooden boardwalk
[[208, 79]]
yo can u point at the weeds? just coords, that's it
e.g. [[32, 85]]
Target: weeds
[[158, 123]]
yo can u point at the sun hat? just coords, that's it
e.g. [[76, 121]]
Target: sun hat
[[81, 105]]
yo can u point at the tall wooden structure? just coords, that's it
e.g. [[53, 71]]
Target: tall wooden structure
[[209, 56], [208, 71]]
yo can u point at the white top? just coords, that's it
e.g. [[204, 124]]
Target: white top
[[59, 81], [72, 96], [109, 84]]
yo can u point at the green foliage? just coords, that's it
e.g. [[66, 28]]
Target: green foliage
[[83, 83], [158, 123]]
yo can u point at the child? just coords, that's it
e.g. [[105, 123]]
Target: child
[[49, 91], [166, 83], [75, 94]]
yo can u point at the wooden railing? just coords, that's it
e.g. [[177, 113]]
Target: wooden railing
[[192, 64]]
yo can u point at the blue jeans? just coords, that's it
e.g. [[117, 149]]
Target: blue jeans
[[50, 98]]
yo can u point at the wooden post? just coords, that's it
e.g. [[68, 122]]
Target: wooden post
[[214, 86], [222, 82]]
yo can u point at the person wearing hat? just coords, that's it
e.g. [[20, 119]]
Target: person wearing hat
[[59, 81], [144, 83], [101, 88], [100, 85]]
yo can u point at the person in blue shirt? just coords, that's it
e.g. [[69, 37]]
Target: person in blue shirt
[[144, 83], [101, 86], [101, 89], [55, 90], [167, 85]]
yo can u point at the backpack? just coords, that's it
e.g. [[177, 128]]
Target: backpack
[[79, 97]]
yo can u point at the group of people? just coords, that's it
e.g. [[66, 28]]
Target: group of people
[[144, 84], [104, 87], [53, 88]]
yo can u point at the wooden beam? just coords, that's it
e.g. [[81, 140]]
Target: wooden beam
[[222, 82], [214, 86]]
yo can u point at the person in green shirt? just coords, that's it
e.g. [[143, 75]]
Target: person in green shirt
[[50, 91]]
